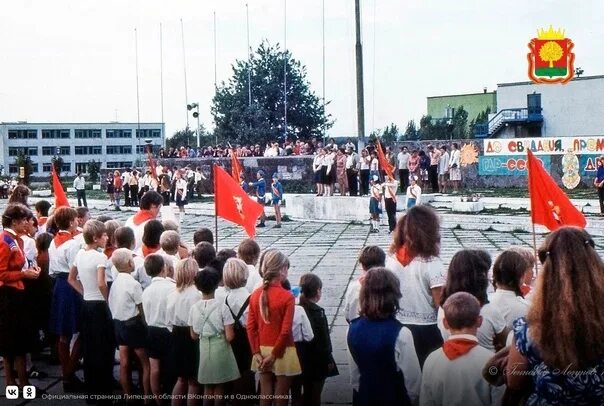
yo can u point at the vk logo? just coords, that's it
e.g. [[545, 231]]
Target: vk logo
[[12, 392]]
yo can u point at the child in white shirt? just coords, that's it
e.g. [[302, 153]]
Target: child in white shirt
[[414, 193], [87, 277], [249, 252], [159, 336], [213, 325], [124, 238], [125, 303], [169, 243], [452, 375]]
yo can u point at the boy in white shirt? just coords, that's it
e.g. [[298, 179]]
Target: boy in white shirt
[[414, 193], [169, 243], [159, 336], [125, 303], [452, 375], [249, 252], [124, 238]]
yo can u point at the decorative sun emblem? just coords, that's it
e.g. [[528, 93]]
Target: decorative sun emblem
[[239, 204], [468, 155]]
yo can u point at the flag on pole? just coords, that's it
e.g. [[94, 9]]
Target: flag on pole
[[235, 167], [233, 204], [384, 164], [550, 206], [60, 196]]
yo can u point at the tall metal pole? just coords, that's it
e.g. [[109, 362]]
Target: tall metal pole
[[359, 68], [373, 69], [184, 66], [161, 77], [285, 70], [198, 129], [138, 110], [249, 52], [323, 40], [215, 74]]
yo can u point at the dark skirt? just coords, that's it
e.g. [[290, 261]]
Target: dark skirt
[[98, 346], [317, 176], [181, 200], [374, 206], [159, 342], [65, 308], [131, 333], [323, 176], [186, 352], [12, 342], [427, 338]]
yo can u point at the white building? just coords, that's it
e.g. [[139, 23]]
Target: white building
[[527, 109], [114, 145]]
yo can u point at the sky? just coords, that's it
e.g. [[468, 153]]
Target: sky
[[74, 61]]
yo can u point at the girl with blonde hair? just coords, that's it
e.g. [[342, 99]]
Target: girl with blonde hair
[[269, 329], [186, 350]]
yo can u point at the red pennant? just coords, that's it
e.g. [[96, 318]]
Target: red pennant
[[236, 167], [384, 164], [60, 196], [550, 206], [233, 204]]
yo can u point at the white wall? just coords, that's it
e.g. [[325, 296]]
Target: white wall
[[574, 109]]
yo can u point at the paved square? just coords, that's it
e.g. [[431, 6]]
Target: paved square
[[330, 251]]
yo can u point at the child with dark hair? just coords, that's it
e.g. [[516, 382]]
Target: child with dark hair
[[42, 207], [152, 232], [508, 273], [468, 272], [249, 252], [382, 348], [204, 253], [159, 337], [315, 355], [212, 324], [370, 256], [150, 205], [452, 375], [414, 259], [203, 234]]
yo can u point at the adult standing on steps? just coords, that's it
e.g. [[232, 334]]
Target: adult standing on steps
[[454, 169], [443, 169], [434, 154], [352, 164], [403, 168], [79, 184], [260, 186]]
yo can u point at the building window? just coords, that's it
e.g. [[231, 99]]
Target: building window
[[55, 134], [87, 133], [142, 149], [34, 168], [13, 168], [47, 151], [66, 167], [119, 149], [118, 165], [88, 150], [81, 167], [118, 133], [28, 151], [148, 133], [46, 167], [22, 134]]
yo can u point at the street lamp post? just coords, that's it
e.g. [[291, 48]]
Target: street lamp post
[[196, 115]]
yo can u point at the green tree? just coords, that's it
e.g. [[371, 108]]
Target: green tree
[[24, 161], [94, 168], [57, 162], [459, 122], [410, 131], [390, 134], [481, 118], [188, 136], [239, 122]]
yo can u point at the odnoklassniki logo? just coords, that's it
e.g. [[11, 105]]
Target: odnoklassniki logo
[[550, 58]]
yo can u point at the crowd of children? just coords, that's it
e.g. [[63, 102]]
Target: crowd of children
[[193, 322]]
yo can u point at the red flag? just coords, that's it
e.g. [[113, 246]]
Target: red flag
[[60, 197], [235, 167], [384, 164], [233, 204], [550, 206]]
